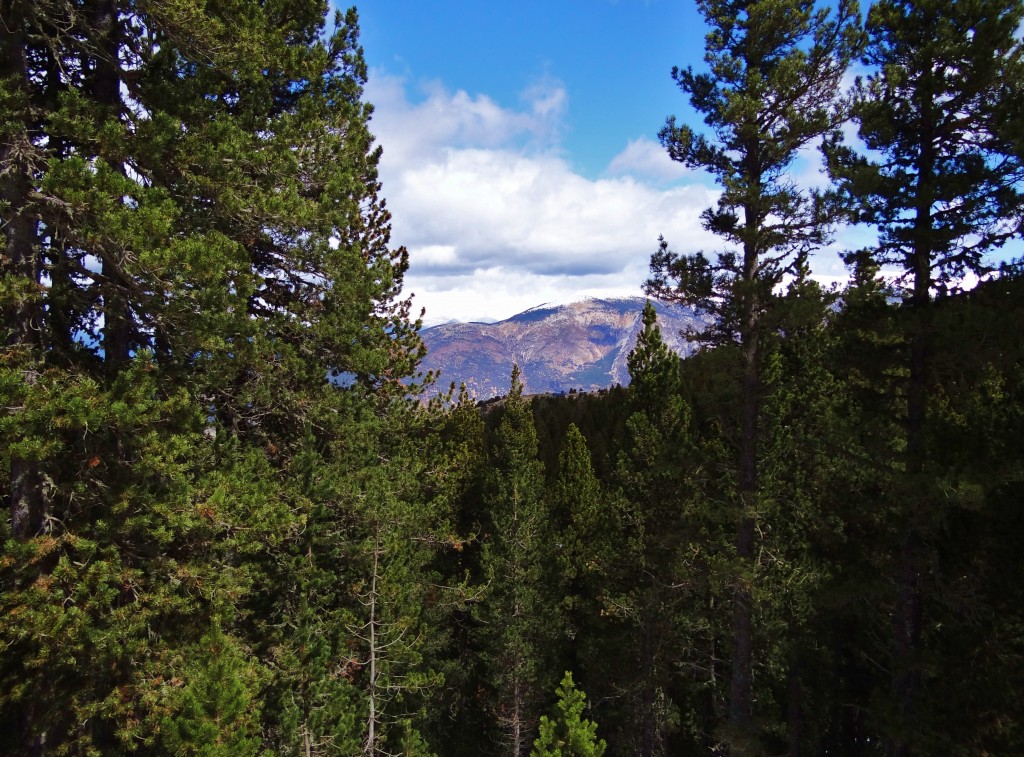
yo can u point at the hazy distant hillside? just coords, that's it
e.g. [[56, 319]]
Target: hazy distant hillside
[[580, 346]]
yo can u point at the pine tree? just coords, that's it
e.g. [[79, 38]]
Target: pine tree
[[587, 531], [775, 70], [401, 618], [651, 589], [461, 469], [194, 242], [215, 710], [976, 418], [943, 188], [589, 550], [569, 735], [520, 614], [806, 464]]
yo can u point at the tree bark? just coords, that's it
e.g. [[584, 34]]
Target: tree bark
[[106, 89], [741, 716], [370, 748], [22, 317], [908, 617]]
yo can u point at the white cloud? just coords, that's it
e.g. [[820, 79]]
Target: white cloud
[[434, 255], [496, 221], [417, 131], [808, 169], [646, 158], [488, 294], [496, 206]]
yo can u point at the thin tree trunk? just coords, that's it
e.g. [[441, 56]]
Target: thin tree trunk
[[106, 88], [370, 747], [908, 617], [741, 684], [22, 318], [517, 718]]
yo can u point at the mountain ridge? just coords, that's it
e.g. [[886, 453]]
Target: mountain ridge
[[582, 345]]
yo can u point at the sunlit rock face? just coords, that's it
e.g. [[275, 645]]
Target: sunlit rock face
[[582, 346]]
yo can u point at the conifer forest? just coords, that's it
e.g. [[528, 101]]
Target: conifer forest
[[234, 529]]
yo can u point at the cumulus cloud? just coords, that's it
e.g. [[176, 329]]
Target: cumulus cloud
[[533, 212], [495, 219], [809, 169], [490, 294], [418, 131], [646, 158]]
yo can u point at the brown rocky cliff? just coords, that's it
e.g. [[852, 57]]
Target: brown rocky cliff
[[581, 346]]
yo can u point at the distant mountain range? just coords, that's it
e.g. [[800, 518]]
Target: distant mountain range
[[581, 346]]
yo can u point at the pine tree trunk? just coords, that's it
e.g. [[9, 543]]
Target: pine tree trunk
[[908, 615], [370, 748], [517, 718], [741, 685], [106, 89], [21, 318], [649, 725]]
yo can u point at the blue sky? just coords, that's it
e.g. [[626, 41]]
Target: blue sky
[[521, 161], [612, 56]]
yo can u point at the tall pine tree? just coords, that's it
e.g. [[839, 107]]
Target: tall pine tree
[[519, 615], [775, 70], [940, 112], [194, 242], [650, 590]]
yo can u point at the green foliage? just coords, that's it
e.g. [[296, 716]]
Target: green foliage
[[233, 528], [942, 186], [650, 592], [600, 417], [653, 367], [580, 507], [943, 183], [771, 90], [121, 558], [590, 551], [215, 714], [570, 734], [519, 614], [196, 246]]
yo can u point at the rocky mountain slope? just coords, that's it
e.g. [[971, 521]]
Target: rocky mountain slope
[[582, 346]]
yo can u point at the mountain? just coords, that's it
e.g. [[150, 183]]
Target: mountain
[[581, 346]]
